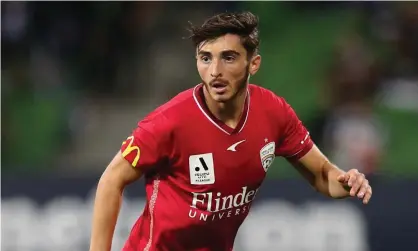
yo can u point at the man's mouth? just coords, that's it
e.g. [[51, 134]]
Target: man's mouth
[[219, 87]]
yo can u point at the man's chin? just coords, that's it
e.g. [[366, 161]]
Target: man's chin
[[221, 97]]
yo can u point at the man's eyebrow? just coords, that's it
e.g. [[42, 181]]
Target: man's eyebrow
[[230, 52], [202, 52], [226, 52]]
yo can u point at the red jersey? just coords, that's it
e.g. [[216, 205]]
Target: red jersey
[[201, 175]]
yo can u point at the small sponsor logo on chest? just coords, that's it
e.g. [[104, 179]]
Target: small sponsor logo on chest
[[201, 169]]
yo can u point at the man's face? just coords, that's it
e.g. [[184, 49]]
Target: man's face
[[224, 66]]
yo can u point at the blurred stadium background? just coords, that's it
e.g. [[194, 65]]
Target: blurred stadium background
[[77, 76]]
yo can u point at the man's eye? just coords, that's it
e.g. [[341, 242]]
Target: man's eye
[[205, 59], [229, 58]]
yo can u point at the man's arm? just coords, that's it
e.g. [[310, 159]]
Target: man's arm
[[108, 201], [328, 179], [296, 145]]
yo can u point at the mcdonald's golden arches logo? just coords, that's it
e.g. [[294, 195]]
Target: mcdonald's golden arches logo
[[130, 148]]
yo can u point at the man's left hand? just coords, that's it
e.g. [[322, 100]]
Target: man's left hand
[[357, 184]]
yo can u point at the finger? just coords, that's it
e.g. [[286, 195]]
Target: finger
[[343, 178], [352, 179], [357, 184], [363, 189], [367, 196]]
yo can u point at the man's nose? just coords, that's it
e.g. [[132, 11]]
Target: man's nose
[[216, 71]]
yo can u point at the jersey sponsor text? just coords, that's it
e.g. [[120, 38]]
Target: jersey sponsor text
[[211, 206]]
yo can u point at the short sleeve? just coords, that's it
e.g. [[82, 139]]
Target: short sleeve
[[295, 140], [148, 144]]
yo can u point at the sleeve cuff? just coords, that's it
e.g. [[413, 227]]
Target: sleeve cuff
[[299, 154]]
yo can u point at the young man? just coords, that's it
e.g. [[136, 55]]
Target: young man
[[205, 153]]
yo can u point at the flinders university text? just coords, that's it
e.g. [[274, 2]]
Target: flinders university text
[[214, 206]]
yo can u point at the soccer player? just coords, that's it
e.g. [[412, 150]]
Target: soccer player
[[205, 153]]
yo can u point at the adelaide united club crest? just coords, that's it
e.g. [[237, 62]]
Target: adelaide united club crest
[[267, 155]]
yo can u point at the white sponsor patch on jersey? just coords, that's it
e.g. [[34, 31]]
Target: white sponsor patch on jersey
[[201, 169]]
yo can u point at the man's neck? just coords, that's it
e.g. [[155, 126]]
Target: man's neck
[[228, 112]]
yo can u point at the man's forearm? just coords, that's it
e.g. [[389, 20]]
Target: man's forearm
[[331, 181], [106, 209]]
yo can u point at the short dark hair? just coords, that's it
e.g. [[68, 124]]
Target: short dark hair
[[243, 24]]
